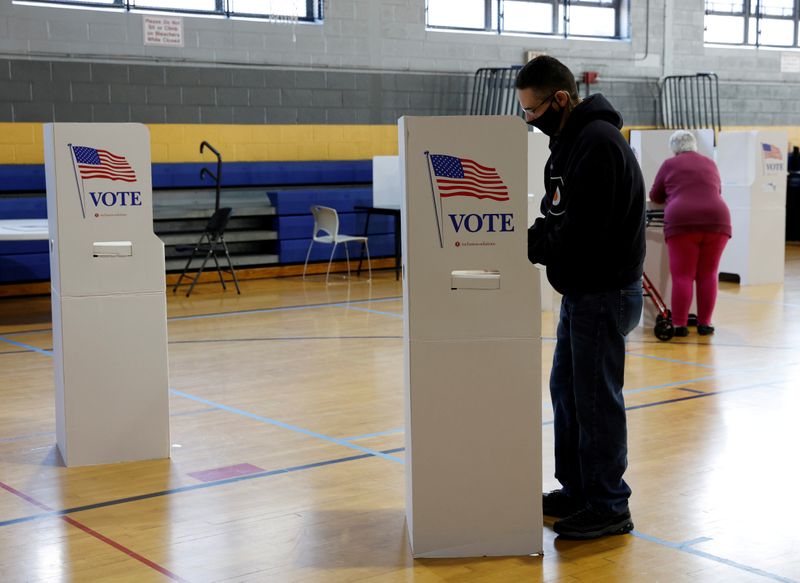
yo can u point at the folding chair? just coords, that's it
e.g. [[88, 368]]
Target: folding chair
[[214, 236], [327, 220]]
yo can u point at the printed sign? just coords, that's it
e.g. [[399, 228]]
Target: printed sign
[[790, 63], [462, 177], [772, 158], [163, 30], [101, 166]]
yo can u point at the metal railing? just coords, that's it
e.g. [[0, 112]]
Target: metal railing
[[494, 92], [690, 102]]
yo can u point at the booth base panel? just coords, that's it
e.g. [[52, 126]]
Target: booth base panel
[[112, 399], [474, 447]]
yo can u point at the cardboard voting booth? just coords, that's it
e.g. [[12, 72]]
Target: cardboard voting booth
[[472, 339], [752, 165], [108, 295], [386, 181], [538, 154], [651, 148]]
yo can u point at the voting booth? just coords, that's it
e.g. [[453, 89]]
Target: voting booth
[[752, 166], [538, 154], [108, 295], [651, 148], [472, 340], [386, 181]]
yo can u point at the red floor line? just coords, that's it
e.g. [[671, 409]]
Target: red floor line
[[97, 535]]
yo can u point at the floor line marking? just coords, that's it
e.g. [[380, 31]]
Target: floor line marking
[[26, 346], [192, 487], [288, 338], [359, 309], [283, 309], [93, 533], [378, 434], [288, 426], [717, 559]]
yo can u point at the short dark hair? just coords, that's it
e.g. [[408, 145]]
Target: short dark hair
[[547, 74]]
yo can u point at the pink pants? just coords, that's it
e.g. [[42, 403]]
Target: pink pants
[[694, 257]]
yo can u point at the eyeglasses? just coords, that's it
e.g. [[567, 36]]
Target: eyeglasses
[[532, 110]]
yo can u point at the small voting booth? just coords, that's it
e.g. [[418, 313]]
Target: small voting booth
[[538, 154], [108, 295], [472, 339], [651, 148], [752, 165]]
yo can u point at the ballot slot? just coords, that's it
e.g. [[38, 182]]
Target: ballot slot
[[112, 249], [474, 279]]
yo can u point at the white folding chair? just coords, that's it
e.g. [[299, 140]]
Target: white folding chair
[[326, 220]]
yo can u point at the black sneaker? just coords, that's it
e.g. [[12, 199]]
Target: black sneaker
[[704, 330], [559, 505], [587, 524], [681, 331]]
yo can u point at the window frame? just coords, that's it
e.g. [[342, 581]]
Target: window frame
[[496, 8], [751, 12], [314, 9]]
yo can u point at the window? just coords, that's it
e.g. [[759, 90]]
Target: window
[[303, 10], [567, 18], [771, 23]]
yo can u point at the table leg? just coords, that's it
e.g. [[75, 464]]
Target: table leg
[[398, 248], [366, 233]]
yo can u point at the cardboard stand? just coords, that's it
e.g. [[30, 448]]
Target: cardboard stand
[[651, 148], [108, 295], [752, 165], [472, 340]]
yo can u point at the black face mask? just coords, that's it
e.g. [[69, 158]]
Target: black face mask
[[549, 122]]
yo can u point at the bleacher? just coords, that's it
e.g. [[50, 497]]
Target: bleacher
[[271, 222]]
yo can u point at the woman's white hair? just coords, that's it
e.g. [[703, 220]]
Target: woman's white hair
[[682, 141]]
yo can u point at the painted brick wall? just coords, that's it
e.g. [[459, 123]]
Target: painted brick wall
[[371, 61]]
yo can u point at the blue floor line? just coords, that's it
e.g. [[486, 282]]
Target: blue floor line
[[283, 309], [287, 339], [288, 426], [359, 309], [687, 548], [26, 346], [664, 359], [191, 488], [668, 385], [378, 434]]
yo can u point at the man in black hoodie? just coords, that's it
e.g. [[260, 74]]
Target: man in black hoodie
[[591, 239]]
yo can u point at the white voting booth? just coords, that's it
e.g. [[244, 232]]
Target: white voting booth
[[538, 154], [752, 165], [386, 181], [472, 340], [651, 148], [108, 295]]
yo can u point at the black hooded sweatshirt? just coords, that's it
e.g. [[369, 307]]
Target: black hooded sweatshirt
[[592, 235]]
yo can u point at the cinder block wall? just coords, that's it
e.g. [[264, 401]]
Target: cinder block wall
[[370, 62]]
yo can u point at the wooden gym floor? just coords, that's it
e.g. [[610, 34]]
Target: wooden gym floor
[[280, 399]]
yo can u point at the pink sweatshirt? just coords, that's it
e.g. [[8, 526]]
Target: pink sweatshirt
[[689, 184]]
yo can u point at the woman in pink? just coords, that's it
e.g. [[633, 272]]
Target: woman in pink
[[697, 226]]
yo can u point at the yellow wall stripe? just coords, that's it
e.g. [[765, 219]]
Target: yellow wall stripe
[[21, 143]]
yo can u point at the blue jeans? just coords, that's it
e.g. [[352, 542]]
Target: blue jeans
[[591, 436]]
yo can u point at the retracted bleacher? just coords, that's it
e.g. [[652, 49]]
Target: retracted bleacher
[[271, 223]]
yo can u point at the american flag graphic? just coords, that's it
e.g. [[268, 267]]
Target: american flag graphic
[[93, 163], [464, 177], [771, 152]]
